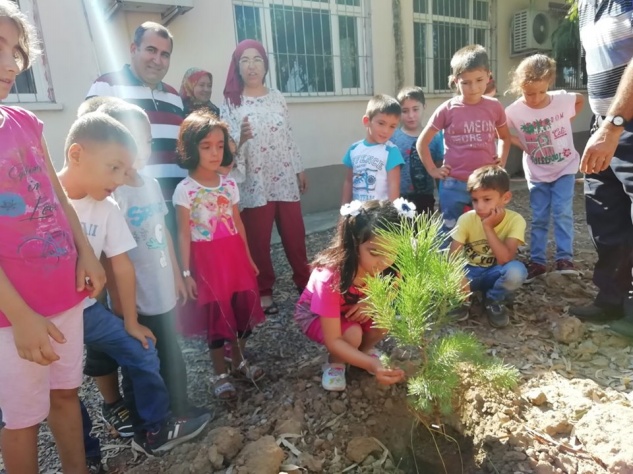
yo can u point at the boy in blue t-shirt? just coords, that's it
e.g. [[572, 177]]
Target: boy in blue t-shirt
[[416, 184], [374, 163]]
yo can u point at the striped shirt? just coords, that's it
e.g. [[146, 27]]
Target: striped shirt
[[164, 109], [606, 35]]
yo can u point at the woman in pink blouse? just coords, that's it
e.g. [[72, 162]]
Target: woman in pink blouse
[[268, 167]]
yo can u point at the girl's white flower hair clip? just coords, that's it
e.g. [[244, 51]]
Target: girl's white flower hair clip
[[405, 208], [351, 209]]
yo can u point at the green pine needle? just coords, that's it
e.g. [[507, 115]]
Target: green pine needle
[[412, 305]]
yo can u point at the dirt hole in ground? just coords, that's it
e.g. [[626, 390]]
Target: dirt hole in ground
[[418, 449]]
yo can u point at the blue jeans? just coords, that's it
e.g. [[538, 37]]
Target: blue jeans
[[497, 282], [555, 198], [91, 443], [453, 198], [104, 332]]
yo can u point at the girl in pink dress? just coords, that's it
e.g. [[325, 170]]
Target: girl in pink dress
[[218, 269]]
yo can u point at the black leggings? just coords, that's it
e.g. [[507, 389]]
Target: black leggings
[[218, 343]]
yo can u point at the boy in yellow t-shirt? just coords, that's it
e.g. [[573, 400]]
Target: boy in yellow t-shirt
[[490, 235]]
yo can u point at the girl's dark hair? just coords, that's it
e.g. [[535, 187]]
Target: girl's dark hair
[[193, 130], [343, 253]]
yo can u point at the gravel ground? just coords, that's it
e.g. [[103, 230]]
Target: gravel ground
[[288, 420]]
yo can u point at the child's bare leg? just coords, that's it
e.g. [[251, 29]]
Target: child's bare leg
[[19, 450], [222, 387], [371, 338], [64, 420], [353, 336], [108, 386], [237, 351], [217, 359]]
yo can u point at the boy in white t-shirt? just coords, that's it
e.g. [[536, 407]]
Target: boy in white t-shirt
[[374, 163], [99, 156], [159, 282]]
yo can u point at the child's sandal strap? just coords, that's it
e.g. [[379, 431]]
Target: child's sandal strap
[[222, 384], [251, 372]]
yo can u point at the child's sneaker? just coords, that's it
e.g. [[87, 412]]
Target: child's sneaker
[[333, 377], [118, 417], [458, 314], [497, 314], [534, 270], [170, 435], [566, 267]]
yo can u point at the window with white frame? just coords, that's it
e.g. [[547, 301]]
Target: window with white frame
[[440, 28], [315, 47], [32, 84]]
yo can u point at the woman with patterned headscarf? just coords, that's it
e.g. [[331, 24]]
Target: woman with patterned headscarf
[[270, 166], [195, 91]]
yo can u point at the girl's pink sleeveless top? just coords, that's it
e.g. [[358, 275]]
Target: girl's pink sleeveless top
[[37, 251]]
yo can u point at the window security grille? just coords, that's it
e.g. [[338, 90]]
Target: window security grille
[[31, 85], [315, 47], [440, 28]]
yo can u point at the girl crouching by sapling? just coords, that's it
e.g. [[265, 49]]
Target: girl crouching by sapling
[[331, 311]]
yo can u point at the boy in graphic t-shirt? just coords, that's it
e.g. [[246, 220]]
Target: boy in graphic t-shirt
[[374, 163], [471, 123]]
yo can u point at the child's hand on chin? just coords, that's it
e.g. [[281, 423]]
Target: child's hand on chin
[[495, 217]]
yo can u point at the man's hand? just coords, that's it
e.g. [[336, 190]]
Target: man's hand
[[32, 337], [140, 333], [600, 149], [495, 217], [90, 274]]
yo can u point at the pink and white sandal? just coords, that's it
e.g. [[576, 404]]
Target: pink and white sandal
[[333, 378]]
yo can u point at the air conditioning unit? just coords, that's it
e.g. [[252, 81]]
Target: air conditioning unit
[[531, 31], [168, 9]]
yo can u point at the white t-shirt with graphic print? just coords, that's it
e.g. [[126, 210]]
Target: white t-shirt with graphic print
[[144, 210], [370, 163], [547, 136]]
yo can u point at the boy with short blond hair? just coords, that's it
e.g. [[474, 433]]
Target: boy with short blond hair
[[159, 282], [489, 235], [374, 163], [100, 152]]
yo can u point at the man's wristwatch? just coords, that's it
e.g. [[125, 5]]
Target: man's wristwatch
[[186, 273], [616, 120]]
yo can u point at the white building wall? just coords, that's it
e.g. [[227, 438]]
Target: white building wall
[[78, 51]]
